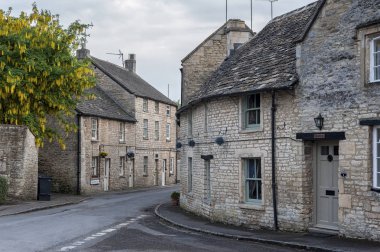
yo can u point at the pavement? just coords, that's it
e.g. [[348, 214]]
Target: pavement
[[176, 216]]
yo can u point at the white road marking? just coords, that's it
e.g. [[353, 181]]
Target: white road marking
[[102, 233]]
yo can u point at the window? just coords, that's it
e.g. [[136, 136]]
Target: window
[[376, 157], [122, 132], [122, 166], [168, 131], [145, 105], [252, 178], [145, 129], [94, 129], [375, 60], [190, 123], [145, 169], [189, 174], [171, 167], [168, 110], [207, 180], [156, 130], [206, 120], [157, 107], [95, 166], [251, 111]]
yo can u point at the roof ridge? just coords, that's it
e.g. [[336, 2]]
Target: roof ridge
[[296, 11]]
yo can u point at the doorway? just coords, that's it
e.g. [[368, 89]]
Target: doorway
[[156, 173], [163, 172], [107, 164], [131, 165], [327, 185]]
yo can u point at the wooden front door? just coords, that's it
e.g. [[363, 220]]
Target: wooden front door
[[327, 185]]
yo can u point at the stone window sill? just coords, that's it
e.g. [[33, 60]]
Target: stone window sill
[[248, 131], [251, 206], [94, 140], [145, 175], [121, 142], [121, 176]]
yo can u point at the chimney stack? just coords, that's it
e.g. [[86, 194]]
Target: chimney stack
[[83, 53], [130, 63], [237, 34]]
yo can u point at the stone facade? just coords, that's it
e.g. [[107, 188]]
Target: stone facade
[[198, 66], [333, 80], [116, 103], [19, 161]]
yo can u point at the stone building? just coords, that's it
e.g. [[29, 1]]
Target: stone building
[[125, 138], [283, 134]]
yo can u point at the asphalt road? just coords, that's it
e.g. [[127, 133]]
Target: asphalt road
[[111, 222]]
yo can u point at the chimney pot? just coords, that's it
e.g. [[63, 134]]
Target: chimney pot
[[130, 63]]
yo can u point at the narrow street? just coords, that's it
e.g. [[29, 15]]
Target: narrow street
[[110, 222]]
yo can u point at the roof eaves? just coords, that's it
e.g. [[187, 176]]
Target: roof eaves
[[367, 24], [194, 102], [81, 113]]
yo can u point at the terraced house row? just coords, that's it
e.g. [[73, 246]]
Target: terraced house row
[[281, 130], [126, 136]]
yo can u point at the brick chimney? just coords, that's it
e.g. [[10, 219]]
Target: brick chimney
[[130, 63]]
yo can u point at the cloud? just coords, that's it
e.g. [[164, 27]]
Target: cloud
[[160, 32]]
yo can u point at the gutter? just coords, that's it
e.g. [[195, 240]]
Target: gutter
[[274, 184], [79, 153]]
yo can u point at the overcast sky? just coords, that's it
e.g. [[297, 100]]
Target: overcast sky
[[159, 32]]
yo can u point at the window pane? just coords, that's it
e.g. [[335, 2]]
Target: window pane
[[325, 150], [253, 117], [376, 45], [259, 190], [336, 150], [377, 73], [378, 180], [251, 101], [378, 150], [377, 59], [257, 101]]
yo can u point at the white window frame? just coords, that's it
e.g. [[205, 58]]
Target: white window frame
[[168, 131], [122, 166], [145, 165], [94, 128], [122, 132], [189, 174], [375, 146], [167, 110], [145, 105], [95, 166], [246, 181], [245, 111], [156, 130], [372, 60], [145, 129], [157, 107], [171, 166]]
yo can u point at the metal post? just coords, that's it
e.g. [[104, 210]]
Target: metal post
[[251, 14], [226, 10]]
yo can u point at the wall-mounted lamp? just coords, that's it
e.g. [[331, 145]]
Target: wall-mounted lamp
[[178, 145], [130, 154], [191, 143], [319, 121], [219, 140]]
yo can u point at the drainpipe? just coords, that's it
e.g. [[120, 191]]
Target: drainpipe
[[78, 154], [274, 185]]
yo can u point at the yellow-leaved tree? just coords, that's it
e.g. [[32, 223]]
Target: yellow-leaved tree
[[40, 77]]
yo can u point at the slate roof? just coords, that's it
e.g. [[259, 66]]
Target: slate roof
[[130, 81], [266, 62], [103, 106]]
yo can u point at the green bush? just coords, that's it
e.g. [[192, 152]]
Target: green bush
[[175, 196], [3, 189]]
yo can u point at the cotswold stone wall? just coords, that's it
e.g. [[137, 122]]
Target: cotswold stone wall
[[108, 141], [61, 165], [19, 161], [332, 69], [227, 203], [155, 150]]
